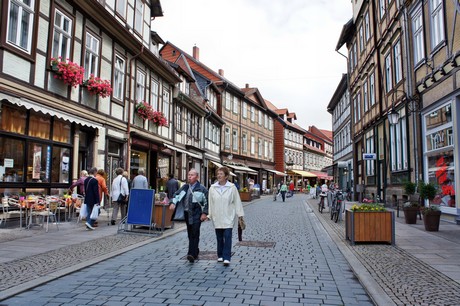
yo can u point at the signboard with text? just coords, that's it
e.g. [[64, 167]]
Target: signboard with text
[[369, 156]]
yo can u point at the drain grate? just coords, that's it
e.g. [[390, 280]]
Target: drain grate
[[257, 244]]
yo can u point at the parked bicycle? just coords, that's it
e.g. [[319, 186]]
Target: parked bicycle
[[322, 196], [337, 204]]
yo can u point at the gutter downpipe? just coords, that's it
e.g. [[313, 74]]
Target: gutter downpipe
[[128, 138]]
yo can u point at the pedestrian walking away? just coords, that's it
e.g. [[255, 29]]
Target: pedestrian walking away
[[190, 204], [283, 190], [140, 181], [91, 197], [172, 185], [80, 183], [224, 208], [119, 187]]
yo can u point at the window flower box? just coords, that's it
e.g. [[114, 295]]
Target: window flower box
[[98, 86], [369, 226], [69, 72], [146, 112]]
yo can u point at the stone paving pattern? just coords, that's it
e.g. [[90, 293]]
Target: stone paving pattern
[[406, 279], [304, 266]]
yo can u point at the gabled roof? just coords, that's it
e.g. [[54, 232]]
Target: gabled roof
[[253, 94], [339, 92], [328, 134], [270, 105], [347, 32]]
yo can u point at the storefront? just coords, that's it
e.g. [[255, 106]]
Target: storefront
[[40, 148], [157, 164], [440, 156]]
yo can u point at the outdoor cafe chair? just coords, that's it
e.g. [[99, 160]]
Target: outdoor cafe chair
[[10, 209], [48, 212]]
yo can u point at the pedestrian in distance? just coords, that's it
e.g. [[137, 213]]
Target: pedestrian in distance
[[91, 196], [291, 188], [103, 190], [119, 187], [172, 185], [283, 190], [190, 204], [140, 181], [224, 209]]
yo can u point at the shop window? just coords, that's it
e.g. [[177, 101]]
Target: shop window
[[13, 120], [62, 131], [12, 160], [39, 126], [38, 163], [61, 165]]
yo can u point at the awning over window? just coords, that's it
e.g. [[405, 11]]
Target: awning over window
[[182, 151], [322, 175], [219, 165], [242, 169], [277, 172], [304, 173], [47, 110]]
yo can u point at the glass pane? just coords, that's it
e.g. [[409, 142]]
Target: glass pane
[[13, 120], [39, 126], [439, 117], [38, 163], [62, 131], [13, 23], [440, 139], [441, 172], [25, 29], [11, 160], [61, 165]]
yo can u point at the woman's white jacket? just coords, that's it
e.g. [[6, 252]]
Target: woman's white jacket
[[225, 206]]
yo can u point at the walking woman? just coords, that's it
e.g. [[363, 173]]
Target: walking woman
[[224, 208]]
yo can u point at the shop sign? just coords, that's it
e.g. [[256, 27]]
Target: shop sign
[[369, 156], [8, 163]]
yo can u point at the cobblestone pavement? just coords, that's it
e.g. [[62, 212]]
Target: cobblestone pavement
[[304, 266], [404, 278]]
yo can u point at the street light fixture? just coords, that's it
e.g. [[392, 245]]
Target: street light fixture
[[393, 116]]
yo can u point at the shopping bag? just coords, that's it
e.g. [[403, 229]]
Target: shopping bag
[[95, 212], [83, 211], [241, 223]]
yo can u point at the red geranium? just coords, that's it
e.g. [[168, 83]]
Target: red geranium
[[146, 112], [98, 86], [69, 72]]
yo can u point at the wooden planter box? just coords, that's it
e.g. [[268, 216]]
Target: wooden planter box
[[245, 196], [370, 226]]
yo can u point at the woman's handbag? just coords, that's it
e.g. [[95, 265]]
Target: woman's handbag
[[121, 198], [241, 223]]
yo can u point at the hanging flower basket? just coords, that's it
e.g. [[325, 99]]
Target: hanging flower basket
[[98, 86], [146, 112], [69, 72]]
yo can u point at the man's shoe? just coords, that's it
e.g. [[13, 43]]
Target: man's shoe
[[190, 258], [89, 226], [112, 222], [220, 259], [226, 262]]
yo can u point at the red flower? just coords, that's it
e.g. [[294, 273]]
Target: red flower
[[146, 112], [98, 86], [67, 71]]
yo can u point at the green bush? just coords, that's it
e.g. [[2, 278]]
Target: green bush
[[409, 187]]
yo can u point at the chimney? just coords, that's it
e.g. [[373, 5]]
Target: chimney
[[247, 85], [221, 72], [196, 53]]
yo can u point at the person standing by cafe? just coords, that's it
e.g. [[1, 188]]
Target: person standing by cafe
[[140, 181], [190, 203], [80, 183], [91, 196], [172, 185], [119, 186]]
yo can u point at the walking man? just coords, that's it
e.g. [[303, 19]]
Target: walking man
[[172, 185], [140, 181], [190, 203]]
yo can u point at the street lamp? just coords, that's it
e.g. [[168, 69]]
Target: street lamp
[[393, 116]]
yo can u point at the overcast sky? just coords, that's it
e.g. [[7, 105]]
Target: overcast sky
[[285, 48]]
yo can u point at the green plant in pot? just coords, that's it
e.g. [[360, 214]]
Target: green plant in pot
[[431, 213], [411, 208]]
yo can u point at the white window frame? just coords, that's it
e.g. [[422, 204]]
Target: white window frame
[[120, 8], [397, 61], [62, 35], [261, 120], [140, 85], [365, 96], [361, 39], [154, 93], [382, 8], [16, 28], [245, 109], [418, 39], [139, 16], [260, 147], [235, 105], [166, 105], [388, 73], [398, 142], [367, 26], [227, 138], [245, 143], [372, 89], [119, 78], [228, 100], [235, 140], [253, 145], [437, 23], [92, 44], [253, 115]]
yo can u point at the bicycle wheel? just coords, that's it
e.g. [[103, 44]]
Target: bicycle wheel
[[321, 205], [332, 209], [336, 214]]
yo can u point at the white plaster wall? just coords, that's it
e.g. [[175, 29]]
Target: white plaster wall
[[16, 66], [40, 70]]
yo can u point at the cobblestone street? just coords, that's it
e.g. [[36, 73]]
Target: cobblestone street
[[304, 266]]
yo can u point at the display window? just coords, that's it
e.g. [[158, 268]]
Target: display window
[[39, 126], [13, 120], [439, 156], [11, 160]]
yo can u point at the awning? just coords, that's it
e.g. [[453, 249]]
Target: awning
[[304, 173], [322, 175], [277, 172], [47, 110], [242, 169], [182, 151], [219, 166]]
